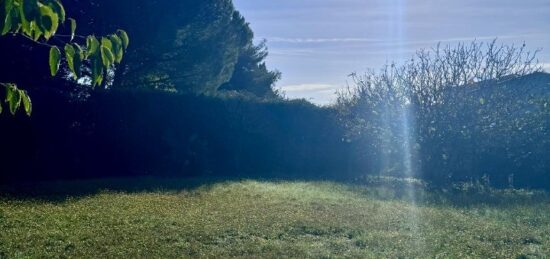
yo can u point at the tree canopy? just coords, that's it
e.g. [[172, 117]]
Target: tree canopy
[[181, 46], [186, 46]]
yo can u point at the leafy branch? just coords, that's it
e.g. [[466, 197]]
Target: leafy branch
[[38, 21], [15, 98]]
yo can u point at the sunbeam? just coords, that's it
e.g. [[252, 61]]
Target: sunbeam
[[404, 118]]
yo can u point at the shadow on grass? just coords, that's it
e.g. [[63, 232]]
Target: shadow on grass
[[379, 188], [60, 191]]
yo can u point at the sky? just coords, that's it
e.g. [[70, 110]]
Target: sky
[[316, 44]]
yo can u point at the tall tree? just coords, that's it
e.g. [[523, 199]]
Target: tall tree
[[183, 46], [251, 74]]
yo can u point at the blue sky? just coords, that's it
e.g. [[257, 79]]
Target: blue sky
[[317, 43]]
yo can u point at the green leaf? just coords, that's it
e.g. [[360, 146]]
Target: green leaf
[[29, 12], [12, 22], [78, 50], [105, 42], [48, 22], [55, 56], [27, 104], [93, 53], [57, 8], [73, 27], [106, 52], [36, 32], [13, 98], [124, 37], [107, 56], [5, 16], [97, 70], [69, 56], [77, 61], [92, 46], [118, 52]]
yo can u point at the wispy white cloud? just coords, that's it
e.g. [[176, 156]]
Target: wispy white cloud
[[320, 40], [480, 38], [301, 52], [343, 48], [393, 42]]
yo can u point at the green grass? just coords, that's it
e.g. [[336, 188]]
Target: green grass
[[251, 219]]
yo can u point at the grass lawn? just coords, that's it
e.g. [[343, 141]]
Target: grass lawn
[[251, 219]]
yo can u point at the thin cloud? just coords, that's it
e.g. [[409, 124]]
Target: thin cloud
[[393, 42], [482, 38], [373, 47], [320, 40]]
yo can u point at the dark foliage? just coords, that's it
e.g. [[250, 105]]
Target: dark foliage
[[251, 74], [149, 133], [129, 133], [185, 46]]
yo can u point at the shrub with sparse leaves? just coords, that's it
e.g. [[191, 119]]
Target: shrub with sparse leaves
[[456, 112]]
